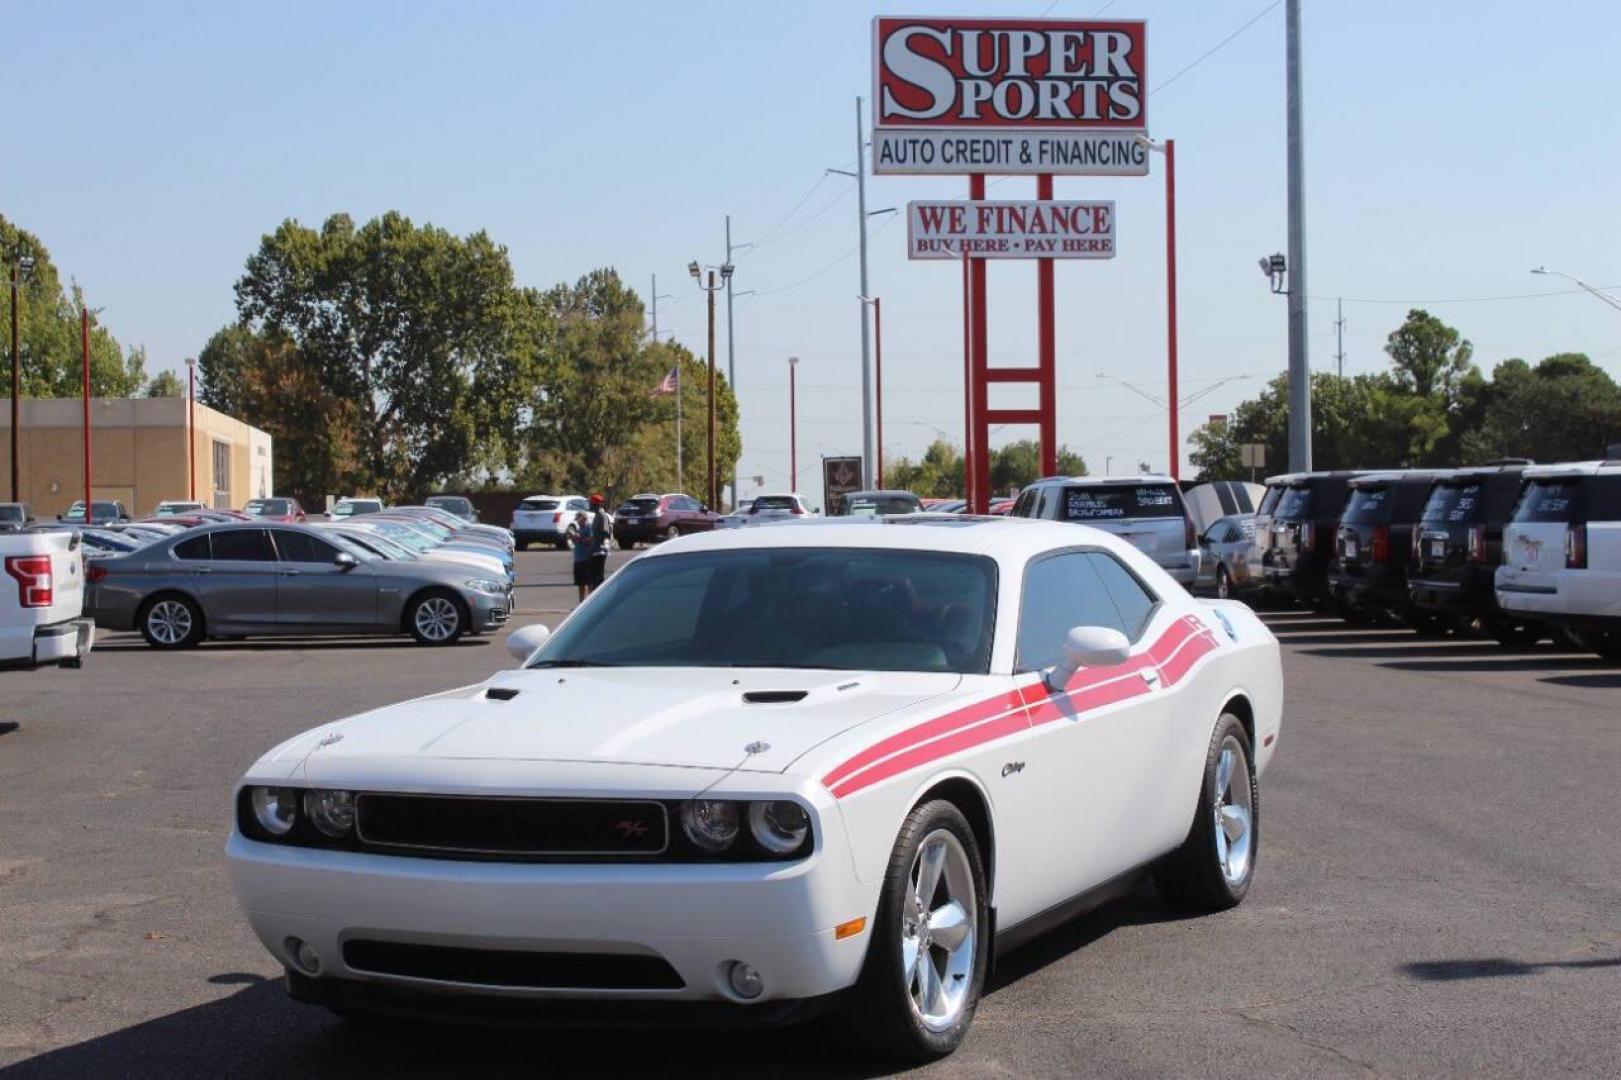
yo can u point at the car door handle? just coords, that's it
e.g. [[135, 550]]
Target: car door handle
[[289, 573], [202, 570]]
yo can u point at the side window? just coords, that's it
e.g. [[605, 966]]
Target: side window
[[243, 545], [194, 548], [1134, 603], [1044, 502], [1061, 592], [302, 547]]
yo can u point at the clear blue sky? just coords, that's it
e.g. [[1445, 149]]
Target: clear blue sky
[[1450, 146]]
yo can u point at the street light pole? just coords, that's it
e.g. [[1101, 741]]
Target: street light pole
[[191, 423], [1168, 148], [1608, 298], [793, 427], [877, 303], [731, 370], [711, 472], [22, 265], [1299, 367], [84, 348]]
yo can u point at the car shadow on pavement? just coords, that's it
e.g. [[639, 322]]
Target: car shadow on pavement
[[1494, 665], [1352, 637], [258, 1032], [1478, 651], [1495, 967], [1610, 681], [136, 644]]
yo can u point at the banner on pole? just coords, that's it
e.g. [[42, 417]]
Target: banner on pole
[[840, 476], [1010, 230], [1008, 96]]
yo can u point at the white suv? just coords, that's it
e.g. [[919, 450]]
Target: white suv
[[1562, 552], [544, 519], [1146, 511]]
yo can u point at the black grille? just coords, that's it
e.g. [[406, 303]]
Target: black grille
[[500, 967], [512, 827]]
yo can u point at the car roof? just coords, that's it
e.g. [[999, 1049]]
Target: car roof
[[1391, 476], [888, 493], [1574, 468], [1140, 478], [972, 534]]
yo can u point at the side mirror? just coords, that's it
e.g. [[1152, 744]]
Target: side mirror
[[1088, 646], [523, 642], [345, 561]]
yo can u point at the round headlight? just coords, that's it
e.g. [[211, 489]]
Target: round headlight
[[779, 827], [711, 824], [332, 812], [275, 808]]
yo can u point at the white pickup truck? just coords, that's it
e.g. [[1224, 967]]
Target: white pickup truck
[[42, 601]]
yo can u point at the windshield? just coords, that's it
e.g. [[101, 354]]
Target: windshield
[[344, 543], [11, 513], [1368, 506], [1121, 501], [455, 504], [1295, 505], [775, 502], [408, 537], [1454, 504], [383, 545], [830, 608], [1550, 500], [262, 507], [873, 505], [1269, 500]]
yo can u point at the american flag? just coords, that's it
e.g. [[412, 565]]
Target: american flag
[[670, 383]]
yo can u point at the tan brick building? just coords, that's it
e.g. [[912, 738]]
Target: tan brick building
[[137, 454]]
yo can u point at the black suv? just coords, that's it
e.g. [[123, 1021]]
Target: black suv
[[1459, 544], [1373, 546], [1299, 541]]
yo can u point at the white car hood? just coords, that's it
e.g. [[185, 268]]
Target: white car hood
[[682, 717]]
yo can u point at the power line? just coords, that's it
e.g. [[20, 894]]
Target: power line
[[818, 273], [1217, 47], [1457, 299]]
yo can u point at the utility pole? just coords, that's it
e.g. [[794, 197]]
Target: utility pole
[[84, 343], [1339, 337], [22, 266], [711, 474], [191, 424], [793, 427], [731, 370], [1299, 368], [655, 301]]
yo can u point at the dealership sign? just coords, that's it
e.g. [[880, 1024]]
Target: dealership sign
[[1010, 230], [972, 95]]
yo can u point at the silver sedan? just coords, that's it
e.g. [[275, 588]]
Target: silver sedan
[[249, 579], [1225, 547]]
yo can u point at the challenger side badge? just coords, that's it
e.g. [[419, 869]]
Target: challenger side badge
[[1232, 635], [335, 737], [758, 747]]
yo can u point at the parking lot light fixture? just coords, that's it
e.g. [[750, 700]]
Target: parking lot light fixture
[[1608, 297]]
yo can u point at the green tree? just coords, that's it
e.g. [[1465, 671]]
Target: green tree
[[268, 382], [400, 321], [165, 384], [937, 475], [49, 332], [1566, 408], [1019, 463]]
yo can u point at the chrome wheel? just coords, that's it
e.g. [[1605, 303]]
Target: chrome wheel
[[939, 917], [1234, 810], [437, 619], [169, 622], [672, 533], [1223, 586]]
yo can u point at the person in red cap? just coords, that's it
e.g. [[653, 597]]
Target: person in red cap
[[601, 528]]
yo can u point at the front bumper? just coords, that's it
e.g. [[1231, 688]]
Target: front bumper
[[490, 612], [777, 917]]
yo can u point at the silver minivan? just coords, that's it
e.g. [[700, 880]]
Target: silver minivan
[[1146, 511]]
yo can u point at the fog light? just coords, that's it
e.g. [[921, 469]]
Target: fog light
[[745, 981], [303, 956]]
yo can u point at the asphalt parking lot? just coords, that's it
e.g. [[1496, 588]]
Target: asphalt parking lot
[[1439, 890]]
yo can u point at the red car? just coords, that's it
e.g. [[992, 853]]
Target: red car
[[646, 518], [1001, 506], [282, 510]]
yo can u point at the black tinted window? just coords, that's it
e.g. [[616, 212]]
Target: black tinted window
[[1550, 500], [1368, 506], [538, 504], [639, 506], [1293, 505], [194, 548], [1131, 600], [1269, 500], [1454, 504], [1121, 501], [1060, 593], [1602, 498], [243, 545], [302, 547]]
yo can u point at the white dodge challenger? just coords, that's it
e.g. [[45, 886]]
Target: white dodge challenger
[[770, 770]]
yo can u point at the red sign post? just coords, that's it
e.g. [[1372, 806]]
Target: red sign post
[[1038, 97]]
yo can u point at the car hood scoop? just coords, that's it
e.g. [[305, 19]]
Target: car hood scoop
[[758, 720]]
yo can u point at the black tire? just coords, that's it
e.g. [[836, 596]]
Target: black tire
[[1607, 643], [880, 1006], [560, 545], [1428, 624], [436, 617], [1224, 586], [162, 617], [1516, 635], [1192, 877], [625, 545]]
